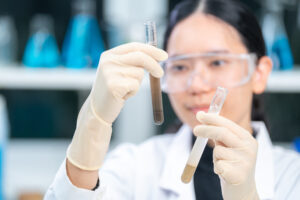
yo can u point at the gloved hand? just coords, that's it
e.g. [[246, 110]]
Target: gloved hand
[[234, 155], [118, 77]]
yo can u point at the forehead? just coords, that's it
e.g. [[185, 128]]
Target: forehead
[[201, 33]]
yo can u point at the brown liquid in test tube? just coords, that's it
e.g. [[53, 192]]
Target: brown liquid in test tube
[[188, 173], [157, 105]]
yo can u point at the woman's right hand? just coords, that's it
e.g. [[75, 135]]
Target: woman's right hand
[[119, 76]]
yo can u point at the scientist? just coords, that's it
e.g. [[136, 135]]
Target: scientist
[[210, 43]]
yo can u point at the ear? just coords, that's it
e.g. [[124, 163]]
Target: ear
[[261, 74]]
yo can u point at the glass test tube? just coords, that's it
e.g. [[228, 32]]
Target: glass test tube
[[157, 105], [200, 143]]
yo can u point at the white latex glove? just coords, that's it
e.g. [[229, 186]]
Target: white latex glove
[[119, 76], [234, 155]]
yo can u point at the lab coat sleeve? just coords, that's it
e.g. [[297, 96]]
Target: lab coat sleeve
[[291, 180], [117, 177], [118, 173], [63, 189], [287, 174], [295, 191]]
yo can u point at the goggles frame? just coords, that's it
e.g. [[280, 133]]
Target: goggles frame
[[250, 57]]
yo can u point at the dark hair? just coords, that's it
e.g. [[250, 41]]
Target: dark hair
[[235, 14]]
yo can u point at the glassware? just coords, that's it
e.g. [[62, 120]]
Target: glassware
[[41, 49], [4, 131], [83, 41], [275, 35], [8, 40]]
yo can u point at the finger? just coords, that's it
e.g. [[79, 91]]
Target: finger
[[128, 71], [228, 171], [219, 167], [217, 120], [125, 88], [224, 153], [142, 60], [155, 53], [219, 143], [218, 134]]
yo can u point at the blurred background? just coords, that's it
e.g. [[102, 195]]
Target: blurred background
[[49, 52]]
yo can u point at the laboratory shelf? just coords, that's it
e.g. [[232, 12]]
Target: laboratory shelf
[[284, 81], [19, 77], [60, 78]]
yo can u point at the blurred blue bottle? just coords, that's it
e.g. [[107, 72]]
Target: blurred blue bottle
[[8, 41], [83, 42], [277, 43], [4, 129], [41, 49], [296, 143]]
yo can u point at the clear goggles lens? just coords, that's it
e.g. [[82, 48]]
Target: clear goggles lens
[[213, 69]]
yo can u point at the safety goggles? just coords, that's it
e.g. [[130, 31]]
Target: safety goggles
[[213, 69]]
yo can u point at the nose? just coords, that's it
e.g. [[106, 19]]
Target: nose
[[197, 82]]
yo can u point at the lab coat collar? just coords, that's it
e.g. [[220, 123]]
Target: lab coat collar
[[264, 174], [179, 150]]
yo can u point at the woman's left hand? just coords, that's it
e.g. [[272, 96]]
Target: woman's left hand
[[234, 155]]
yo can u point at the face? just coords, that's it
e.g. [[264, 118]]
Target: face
[[201, 33]]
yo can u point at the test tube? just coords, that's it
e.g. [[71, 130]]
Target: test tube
[[200, 143], [157, 105]]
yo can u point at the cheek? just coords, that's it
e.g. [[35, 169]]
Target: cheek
[[238, 103], [178, 104]]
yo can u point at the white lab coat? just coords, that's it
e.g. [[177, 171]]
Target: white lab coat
[[152, 171]]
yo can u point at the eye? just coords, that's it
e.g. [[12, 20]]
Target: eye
[[178, 68], [217, 63]]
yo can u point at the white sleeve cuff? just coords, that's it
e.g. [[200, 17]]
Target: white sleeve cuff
[[64, 190]]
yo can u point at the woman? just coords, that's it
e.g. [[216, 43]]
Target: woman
[[210, 43]]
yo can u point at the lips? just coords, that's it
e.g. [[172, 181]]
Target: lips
[[195, 109]]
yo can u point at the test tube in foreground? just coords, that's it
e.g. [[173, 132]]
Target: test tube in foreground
[[157, 105], [200, 143]]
